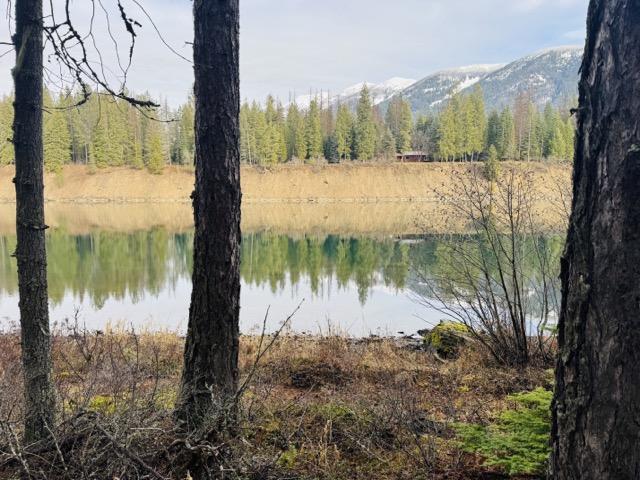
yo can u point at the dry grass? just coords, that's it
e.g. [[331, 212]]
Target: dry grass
[[317, 408], [390, 199], [347, 182]]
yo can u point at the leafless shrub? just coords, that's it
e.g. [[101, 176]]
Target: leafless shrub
[[500, 280]]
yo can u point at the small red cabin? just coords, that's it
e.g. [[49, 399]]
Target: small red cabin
[[412, 157]]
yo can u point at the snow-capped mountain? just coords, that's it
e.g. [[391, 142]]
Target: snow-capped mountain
[[380, 92], [550, 75], [428, 94]]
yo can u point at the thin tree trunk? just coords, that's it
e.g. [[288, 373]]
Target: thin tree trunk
[[31, 251], [210, 374], [596, 421]]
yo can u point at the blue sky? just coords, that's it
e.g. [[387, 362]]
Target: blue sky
[[295, 45]]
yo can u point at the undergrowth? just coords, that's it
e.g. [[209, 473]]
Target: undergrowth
[[518, 442], [321, 408]]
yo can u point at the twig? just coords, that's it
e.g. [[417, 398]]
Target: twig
[[262, 352], [132, 456]]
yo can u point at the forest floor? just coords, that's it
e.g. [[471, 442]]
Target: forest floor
[[354, 198], [314, 408]]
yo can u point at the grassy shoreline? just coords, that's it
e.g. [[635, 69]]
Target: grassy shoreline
[[361, 199], [342, 183]]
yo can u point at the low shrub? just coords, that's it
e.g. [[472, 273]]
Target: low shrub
[[518, 442]]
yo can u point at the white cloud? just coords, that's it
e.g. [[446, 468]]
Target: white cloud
[[295, 45]]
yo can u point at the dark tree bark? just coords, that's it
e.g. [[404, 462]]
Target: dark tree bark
[[596, 422], [210, 373], [31, 252]]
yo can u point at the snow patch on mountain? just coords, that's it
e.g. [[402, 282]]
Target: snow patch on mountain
[[379, 93], [480, 68]]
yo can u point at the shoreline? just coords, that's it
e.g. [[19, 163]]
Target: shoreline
[[340, 183], [349, 199]]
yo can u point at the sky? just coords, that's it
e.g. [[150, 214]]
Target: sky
[[296, 45]]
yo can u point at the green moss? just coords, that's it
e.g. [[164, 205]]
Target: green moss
[[289, 457], [446, 338], [518, 442], [104, 404]]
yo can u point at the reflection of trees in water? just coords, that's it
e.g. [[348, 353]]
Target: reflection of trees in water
[[107, 265], [437, 260], [113, 265], [269, 259]]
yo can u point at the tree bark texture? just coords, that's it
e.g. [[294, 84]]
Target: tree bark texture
[[596, 421], [30, 227], [210, 374]]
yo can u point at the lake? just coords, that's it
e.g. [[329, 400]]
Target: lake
[[356, 285]]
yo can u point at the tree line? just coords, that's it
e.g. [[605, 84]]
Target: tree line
[[107, 132]]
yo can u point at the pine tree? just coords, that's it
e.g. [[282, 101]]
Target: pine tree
[[465, 126], [388, 145], [521, 125], [296, 142], [493, 130], [99, 156], [537, 142], [262, 134], [280, 133], [330, 148], [491, 166], [248, 143], [399, 121], [344, 132], [365, 131], [187, 120], [558, 147], [448, 136], [550, 123], [154, 150], [117, 119], [313, 131], [56, 139], [133, 150], [478, 127], [425, 136], [507, 145], [570, 139], [271, 112]]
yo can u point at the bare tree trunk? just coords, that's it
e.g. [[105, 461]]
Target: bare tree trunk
[[210, 374], [31, 250], [596, 422]]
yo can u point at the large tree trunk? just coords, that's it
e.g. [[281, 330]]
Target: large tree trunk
[[210, 374], [30, 227], [596, 427]]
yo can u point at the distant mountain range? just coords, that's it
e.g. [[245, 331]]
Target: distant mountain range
[[380, 92], [550, 75]]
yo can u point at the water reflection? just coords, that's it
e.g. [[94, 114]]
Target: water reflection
[[362, 283], [146, 275]]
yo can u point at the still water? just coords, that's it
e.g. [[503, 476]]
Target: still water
[[354, 285]]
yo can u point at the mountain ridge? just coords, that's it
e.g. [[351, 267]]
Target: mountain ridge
[[547, 75]]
